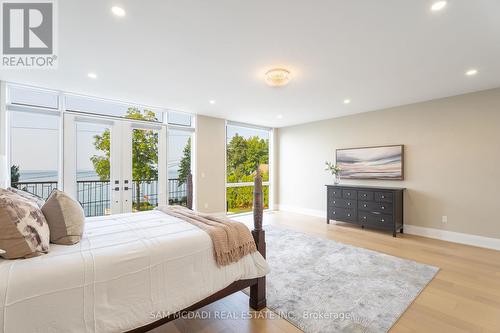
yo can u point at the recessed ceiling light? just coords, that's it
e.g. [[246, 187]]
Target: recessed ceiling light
[[118, 11], [92, 75], [212, 101], [347, 101], [471, 72], [438, 5], [278, 77], [280, 116]]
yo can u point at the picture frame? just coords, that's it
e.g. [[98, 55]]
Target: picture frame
[[373, 162]]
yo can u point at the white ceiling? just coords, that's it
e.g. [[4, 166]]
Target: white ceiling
[[181, 54]]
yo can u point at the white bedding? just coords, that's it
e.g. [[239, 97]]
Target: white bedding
[[128, 269]]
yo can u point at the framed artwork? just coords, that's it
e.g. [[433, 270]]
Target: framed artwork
[[381, 162]]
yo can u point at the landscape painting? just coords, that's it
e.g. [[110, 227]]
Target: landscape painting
[[384, 162]]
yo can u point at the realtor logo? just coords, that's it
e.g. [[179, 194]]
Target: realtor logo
[[28, 34]]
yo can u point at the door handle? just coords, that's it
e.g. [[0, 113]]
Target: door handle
[[125, 188]]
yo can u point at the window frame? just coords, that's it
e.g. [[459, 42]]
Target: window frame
[[268, 183]]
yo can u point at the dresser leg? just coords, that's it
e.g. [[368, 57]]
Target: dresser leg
[[327, 221], [394, 233], [362, 227], [401, 230]]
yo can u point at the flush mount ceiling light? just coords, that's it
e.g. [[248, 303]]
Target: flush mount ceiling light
[[212, 101], [92, 75], [471, 72], [278, 77], [118, 11], [347, 101], [438, 5], [280, 116]]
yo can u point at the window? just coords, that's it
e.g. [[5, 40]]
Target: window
[[109, 108], [247, 148], [34, 151], [177, 118], [26, 96], [179, 165]]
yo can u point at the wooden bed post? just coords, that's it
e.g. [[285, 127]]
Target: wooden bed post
[[258, 290], [189, 190]]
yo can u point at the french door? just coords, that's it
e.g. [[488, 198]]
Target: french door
[[114, 166]]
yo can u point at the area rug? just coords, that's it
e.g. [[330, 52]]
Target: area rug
[[320, 285]]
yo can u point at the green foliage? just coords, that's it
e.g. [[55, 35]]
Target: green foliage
[[14, 175], [144, 154], [185, 165], [243, 158], [333, 168]]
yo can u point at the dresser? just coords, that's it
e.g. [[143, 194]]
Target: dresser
[[366, 206]]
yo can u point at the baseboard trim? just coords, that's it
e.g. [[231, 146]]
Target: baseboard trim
[[445, 235], [301, 210], [455, 237]]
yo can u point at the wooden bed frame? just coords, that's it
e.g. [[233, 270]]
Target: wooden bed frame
[[257, 286]]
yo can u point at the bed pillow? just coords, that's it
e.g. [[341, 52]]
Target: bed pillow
[[65, 217], [24, 232], [31, 197]]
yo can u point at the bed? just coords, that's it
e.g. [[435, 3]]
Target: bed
[[130, 272]]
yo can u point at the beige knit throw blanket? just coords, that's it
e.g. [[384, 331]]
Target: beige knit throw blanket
[[232, 240]]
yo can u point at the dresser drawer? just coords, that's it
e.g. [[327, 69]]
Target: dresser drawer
[[349, 194], [334, 192], [365, 195], [342, 214], [343, 203], [383, 196], [367, 218], [373, 206]]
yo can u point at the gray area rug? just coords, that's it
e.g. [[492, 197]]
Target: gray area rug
[[320, 285]]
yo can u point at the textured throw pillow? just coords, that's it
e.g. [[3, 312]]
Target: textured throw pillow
[[31, 197], [65, 217], [24, 232], [2, 251]]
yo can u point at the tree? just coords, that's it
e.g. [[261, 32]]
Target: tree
[[185, 165], [244, 156], [144, 153], [14, 175]]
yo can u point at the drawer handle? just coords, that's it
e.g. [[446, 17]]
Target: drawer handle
[[333, 213], [382, 207], [364, 217], [348, 204], [334, 201], [364, 195], [348, 214], [382, 220], [383, 197], [364, 205], [334, 192]]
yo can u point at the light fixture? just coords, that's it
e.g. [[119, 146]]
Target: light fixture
[[438, 5], [118, 11], [347, 101], [92, 75], [278, 77], [212, 101], [280, 116], [471, 72]]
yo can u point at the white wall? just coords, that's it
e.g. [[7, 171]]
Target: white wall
[[210, 164], [452, 160]]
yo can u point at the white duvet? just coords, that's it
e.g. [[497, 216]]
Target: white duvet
[[128, 269]]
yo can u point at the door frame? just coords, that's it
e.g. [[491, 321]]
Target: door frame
[[120, 157]]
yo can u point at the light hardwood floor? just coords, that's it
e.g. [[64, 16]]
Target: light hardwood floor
[[463, 297]]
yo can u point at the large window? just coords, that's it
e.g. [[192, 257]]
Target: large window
[[34, 151], [247, 148], [112, 156]]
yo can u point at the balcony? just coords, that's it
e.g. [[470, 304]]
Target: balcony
[[94, 195]]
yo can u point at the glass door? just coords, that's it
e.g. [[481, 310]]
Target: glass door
[[141, 182]]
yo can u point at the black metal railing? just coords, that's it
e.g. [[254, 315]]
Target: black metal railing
[[95, 195], [40, 189]]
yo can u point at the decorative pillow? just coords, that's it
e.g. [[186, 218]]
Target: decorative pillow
[[2, 251], [29, 196], [65, 217], [24, 232]]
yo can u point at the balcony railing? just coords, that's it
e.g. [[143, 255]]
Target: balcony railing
[[94, 195]]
